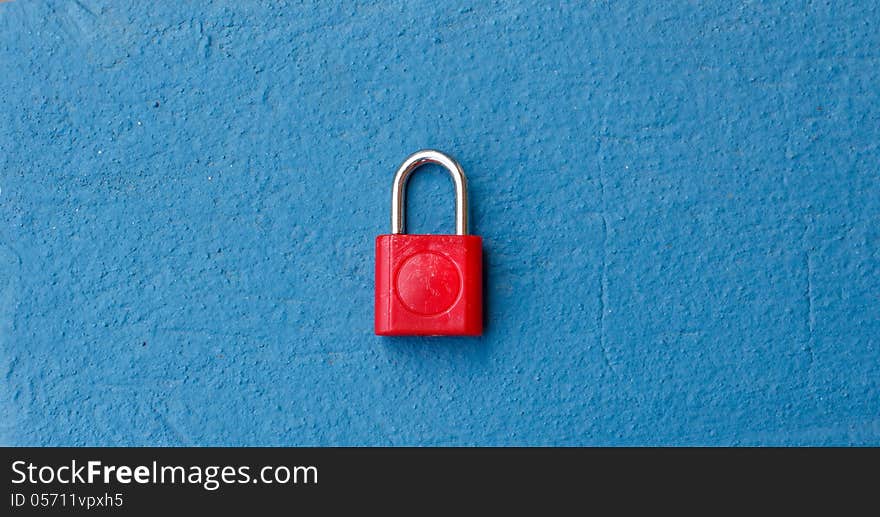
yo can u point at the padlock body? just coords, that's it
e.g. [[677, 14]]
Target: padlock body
[[429, 285]]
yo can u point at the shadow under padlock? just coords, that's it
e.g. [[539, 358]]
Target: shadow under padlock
[[429, 285]]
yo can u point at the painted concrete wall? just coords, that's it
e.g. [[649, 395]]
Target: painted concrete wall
[[680, 203]]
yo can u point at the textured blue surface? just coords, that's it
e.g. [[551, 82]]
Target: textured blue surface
[[680, 204]]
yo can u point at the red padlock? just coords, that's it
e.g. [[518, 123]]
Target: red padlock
[[429, 285]]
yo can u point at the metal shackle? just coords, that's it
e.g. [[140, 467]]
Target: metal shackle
[[398, 190]]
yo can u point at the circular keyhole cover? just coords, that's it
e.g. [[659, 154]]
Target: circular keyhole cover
[[428, 283]]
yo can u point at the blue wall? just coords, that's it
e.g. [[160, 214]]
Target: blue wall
[[680, 205]]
